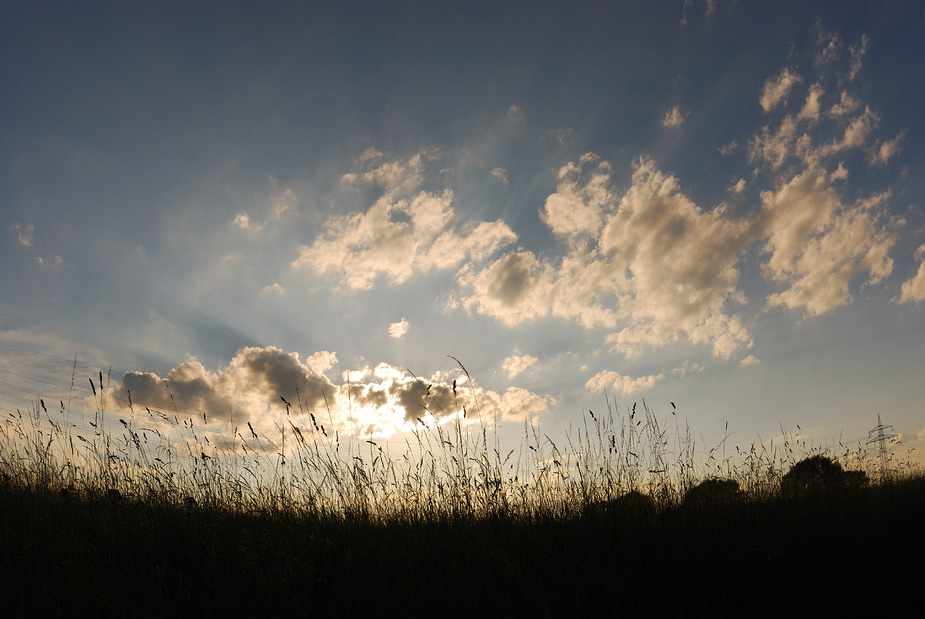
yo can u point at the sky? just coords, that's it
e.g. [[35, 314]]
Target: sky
[[387, 212]]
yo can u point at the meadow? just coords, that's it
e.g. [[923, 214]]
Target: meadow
[[146, 515]]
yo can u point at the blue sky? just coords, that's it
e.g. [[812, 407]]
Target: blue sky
[[717, 204]]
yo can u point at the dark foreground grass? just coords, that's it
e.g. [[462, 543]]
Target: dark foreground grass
[[826, 553]]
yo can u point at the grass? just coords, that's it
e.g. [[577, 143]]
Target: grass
[[147, 515]]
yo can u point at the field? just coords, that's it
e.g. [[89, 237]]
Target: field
[[124, 521]]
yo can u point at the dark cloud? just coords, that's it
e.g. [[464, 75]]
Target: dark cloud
[[255, 379]]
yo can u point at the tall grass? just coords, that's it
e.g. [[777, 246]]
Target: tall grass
[[447, 471], [150, 514]]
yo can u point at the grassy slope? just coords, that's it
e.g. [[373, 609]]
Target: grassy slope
[[847, 552]]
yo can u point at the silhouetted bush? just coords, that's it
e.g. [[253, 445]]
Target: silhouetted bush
[[712, 492], [819, 473]]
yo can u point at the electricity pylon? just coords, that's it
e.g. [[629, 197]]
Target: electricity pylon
[[883, 434]]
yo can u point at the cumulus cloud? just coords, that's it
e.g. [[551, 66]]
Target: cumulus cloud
[[650, 263], [913, 290], [398, 329], [777, 88], [515, 364], [370, 403], [673, 118], [577, 205], [750, 360], [397, 238], [816, 244], [616, 382], [255, 379]]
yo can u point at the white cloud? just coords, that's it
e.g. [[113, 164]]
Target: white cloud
[[651, 262], [777, 88], [913, 289], [274, 289], [397, 238], [397, 330], [816, 245], [673, 118], [749, 361], [517, 404], [515, 364], [321, 361], [243, 221], [616, 382], [579, 201]]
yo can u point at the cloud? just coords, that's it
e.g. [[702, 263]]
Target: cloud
[[516, 113], [816, 245], [846, 105], [651, 262], [728, 148], [857, 51], [273, 290], [368, 403], [913, 290], [254, 380], [515, 364], [23, 233], [397, 238], [673, 118], [500, 174], [616, 382], [55, 262], [882, 152], [398, 329], [777, 88], [577, 205], [811, 108], [517, 404], [828, 46], [749, 361]]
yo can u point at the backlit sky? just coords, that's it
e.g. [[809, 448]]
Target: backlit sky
[[712, 203]]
